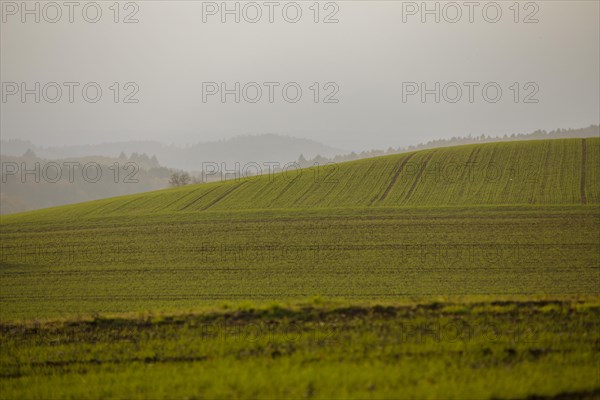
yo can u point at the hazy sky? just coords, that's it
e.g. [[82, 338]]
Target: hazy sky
[[371, 55]]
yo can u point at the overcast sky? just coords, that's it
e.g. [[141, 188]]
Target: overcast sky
[[371, 57]]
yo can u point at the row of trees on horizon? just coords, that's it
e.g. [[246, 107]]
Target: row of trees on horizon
[[590, 131]]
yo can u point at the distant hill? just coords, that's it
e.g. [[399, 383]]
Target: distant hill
[[241, 149], [263, 148], [30, 182]]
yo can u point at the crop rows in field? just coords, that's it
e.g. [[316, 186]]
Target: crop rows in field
[[562, 171], [143, 262], [517, 218]]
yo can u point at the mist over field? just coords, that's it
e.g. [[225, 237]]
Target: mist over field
[[299, 199]]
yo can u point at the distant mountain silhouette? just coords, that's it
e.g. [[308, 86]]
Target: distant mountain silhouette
[[30, 182], [242, 149]]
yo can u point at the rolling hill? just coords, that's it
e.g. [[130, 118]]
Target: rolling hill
[[384, 228], [563, 171]]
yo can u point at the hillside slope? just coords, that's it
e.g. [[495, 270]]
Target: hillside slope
[[563, 171], [361, 238]]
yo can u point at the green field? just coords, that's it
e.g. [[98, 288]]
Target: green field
[[505, 350], [530, 172], [104, 299]]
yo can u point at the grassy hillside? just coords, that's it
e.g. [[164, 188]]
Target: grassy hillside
[[563, 171], [268, 239]]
